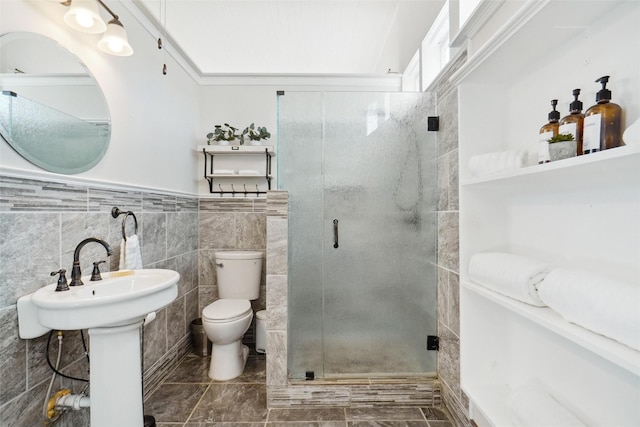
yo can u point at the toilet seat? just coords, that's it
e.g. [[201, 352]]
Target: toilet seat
[[226, 310]]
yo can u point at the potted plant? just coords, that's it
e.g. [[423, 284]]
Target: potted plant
[[562, 146], [254, 134], [223, 135]]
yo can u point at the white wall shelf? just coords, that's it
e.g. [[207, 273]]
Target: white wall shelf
[[580, 212], [562, 172], [610, 350], [235, 168]]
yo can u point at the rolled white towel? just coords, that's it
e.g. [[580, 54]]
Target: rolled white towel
[[512, 275], [491, 163], [532, 406], [595, 302]]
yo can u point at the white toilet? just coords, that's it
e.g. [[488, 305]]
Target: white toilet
[[226, 320]]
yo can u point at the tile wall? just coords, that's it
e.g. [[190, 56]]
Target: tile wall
[[41, 222], [448, 246], [230, 224]]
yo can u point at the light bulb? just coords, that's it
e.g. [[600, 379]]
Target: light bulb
[[85, 20], [116, 46]]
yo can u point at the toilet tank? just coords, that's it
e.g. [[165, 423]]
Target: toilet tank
[[238, 274]]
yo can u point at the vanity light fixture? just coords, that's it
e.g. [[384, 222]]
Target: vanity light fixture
[[84, 15]]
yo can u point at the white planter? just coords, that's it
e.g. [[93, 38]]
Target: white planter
[[562, 150]]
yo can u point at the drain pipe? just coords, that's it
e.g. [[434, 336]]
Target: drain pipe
[[73, 401], [63, 401]]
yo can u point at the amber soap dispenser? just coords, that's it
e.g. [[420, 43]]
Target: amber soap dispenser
[[573, 122], [546, 132], [603, 122]]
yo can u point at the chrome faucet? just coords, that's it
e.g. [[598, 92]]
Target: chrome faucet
[[76, 274]]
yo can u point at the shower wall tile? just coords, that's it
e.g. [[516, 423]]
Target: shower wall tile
[[276, 358], [448, 113], [443, 296], [217, 230], [176, 321], [449, 359], [227, 205], [158, 203], [187, 204], [454, 303], [192, 308], [277, 204], [459, 412], [13, 367], [277, 235], [182, 233], [307, 395], [41, 223], [77, 226], [103, 200], [277, 303], [154, 237], [448, 242], [23, 411], [206, 267], [29, 251], [155, 338], [28, 195], [187, 266], [251, 231]]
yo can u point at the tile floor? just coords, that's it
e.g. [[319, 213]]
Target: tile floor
[[189, 398]]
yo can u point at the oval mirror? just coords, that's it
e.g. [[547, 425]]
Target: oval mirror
[[52, 111]]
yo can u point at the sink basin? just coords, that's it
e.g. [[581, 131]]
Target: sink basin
[[119, 298], [113, 310]]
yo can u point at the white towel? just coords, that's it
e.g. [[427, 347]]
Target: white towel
[[491, 163], [532, 406], [595, 302], [512, 275], [130, 256]]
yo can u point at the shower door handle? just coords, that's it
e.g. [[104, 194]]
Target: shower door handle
[[335, 233]]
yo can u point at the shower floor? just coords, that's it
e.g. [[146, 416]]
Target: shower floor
[[358, 358]]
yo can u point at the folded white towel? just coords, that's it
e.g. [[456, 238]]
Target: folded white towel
[[130, 255], [512, 275], [531, 406], [224, 172], [595, 302], [491, 163]]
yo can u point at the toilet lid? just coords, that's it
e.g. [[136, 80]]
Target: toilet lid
[[226, 309]]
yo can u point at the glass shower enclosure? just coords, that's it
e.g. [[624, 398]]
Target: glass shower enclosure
[[360, 169]]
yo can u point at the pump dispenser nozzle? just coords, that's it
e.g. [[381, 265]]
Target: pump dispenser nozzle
[[603, 95], [554, 115], [575, 106]]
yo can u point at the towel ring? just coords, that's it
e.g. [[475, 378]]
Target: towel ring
[[116, 212], [124, 221]]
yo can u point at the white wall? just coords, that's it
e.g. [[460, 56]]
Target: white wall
[[154, 117]]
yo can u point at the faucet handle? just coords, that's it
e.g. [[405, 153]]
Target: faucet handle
[[95, 274], [62, 280]]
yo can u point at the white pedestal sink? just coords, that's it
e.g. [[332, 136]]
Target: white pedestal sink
[[113, 310]]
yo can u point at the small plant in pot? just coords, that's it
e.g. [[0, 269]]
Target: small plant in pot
[[223, 135], [254, 134], [562, 146]]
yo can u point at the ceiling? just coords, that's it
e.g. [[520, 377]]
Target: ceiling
[[295, 36]]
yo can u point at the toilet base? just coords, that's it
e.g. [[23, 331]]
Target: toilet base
[[227, 360]]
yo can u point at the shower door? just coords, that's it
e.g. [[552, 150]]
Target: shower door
[[360, 169]]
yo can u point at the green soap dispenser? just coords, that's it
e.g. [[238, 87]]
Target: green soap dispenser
[[548, 131], [573, 122], [603, 122]]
